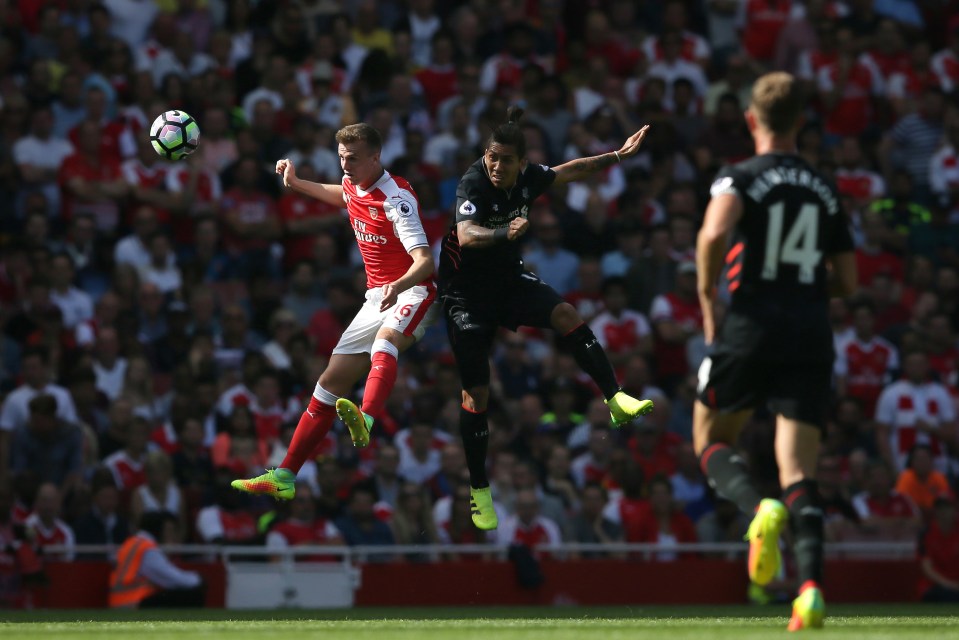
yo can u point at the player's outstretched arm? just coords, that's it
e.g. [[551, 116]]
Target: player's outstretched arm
[[584, 167], [331, 194], [475, 236], [722, 214]]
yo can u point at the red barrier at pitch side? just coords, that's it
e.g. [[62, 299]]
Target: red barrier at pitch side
[[586, 582], [86, 584], [612, 582]]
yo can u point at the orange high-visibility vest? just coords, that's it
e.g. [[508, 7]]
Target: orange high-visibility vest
[[127, 587]]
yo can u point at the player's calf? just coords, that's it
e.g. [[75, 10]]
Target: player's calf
[[806, 522]]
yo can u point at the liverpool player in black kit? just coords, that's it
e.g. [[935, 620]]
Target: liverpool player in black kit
[[778, 227], [483, 286]]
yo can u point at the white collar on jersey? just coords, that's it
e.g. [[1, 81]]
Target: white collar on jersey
[[373, 187]]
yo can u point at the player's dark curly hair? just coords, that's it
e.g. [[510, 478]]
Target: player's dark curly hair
[[510, 133]]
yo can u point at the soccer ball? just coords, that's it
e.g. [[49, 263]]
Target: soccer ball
[[175, 134]]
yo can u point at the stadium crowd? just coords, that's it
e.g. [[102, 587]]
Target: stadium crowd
[[164, 324]]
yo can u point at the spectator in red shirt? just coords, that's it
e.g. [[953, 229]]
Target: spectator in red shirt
[[601, 43], [268, 408], [127, 463], [592, 465], [676, 317], [865, 362], [941, 347], [884, 293], [760, 23], [501, 73], [694, 47], [527, 527], [815, 58], [250, 221], [889, 54], [303, 526], [939, 555], [196, 193], [885, 513], [666, 525], [114, 138], [226, 521], [853, 177], [587, 296], [945, 64], [907, 84], [304, 217], [45, 526], [630, 509], [91, 180], [847, 89], [146, 176], [622, 332], [654, 448], [438, 80], [871, 257]]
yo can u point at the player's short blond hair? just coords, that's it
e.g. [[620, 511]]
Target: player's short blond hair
[[360, 132], [778, 102]]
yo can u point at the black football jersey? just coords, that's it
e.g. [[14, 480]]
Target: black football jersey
[[792, 220], [479, 201]]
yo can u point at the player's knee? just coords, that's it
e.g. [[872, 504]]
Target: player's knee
[[333, 383], [476, 398], [395, 338], [565, 318], [388, 344]]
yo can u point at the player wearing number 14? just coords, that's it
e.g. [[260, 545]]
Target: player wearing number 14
[[777, 227]]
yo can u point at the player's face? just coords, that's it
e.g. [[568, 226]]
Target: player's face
[[502, 165], [360, 163]]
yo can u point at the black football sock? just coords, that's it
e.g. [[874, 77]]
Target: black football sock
[[728, 476], [806, 523], [475, 433], [591, 358]]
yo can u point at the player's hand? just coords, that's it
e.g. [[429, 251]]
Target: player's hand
[[390, 294], [286, 169], [632, 145], [517, 227]]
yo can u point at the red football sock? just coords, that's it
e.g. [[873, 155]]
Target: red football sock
[[379, 383], [312, 428]]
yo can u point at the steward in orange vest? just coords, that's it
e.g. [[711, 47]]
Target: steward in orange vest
[[127, 586], [145, 577]]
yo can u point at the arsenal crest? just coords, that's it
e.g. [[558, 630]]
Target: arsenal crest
[[374, 213]]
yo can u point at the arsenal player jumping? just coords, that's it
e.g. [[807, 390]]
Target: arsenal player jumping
[[384, 214]]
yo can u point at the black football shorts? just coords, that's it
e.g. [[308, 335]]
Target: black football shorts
[[473, 314], [750, 365]]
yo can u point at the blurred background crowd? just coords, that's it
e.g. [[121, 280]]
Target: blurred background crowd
[[163, 324]]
